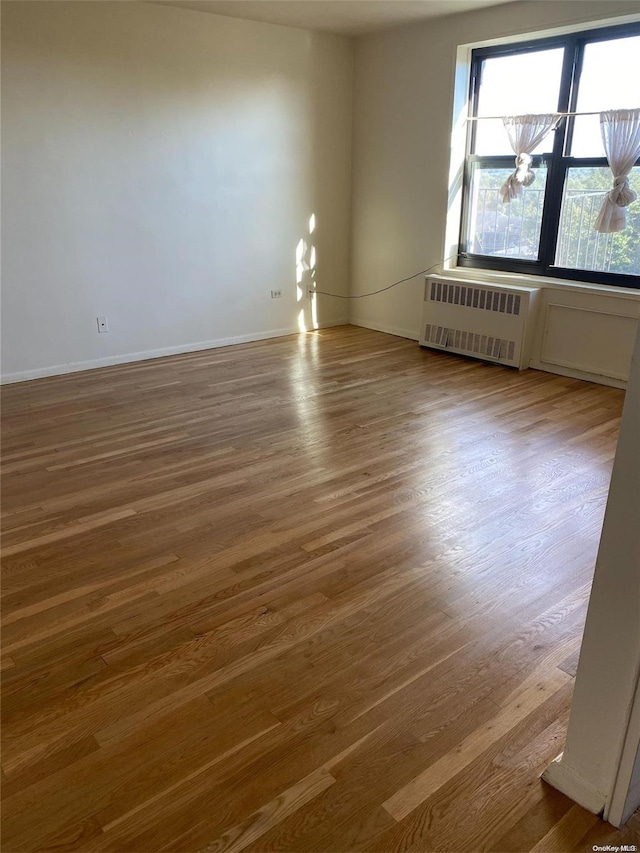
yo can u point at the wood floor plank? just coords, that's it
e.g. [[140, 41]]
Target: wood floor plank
[[565, 834], [423, 786], [239, 837], [317, 593]]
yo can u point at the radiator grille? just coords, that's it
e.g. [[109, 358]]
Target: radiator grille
[[470, 342], [500, 301]]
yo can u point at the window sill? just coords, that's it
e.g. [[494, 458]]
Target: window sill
[[482, 276]]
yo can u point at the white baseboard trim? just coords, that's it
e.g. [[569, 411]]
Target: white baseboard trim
[[109, 361], [382, 327], [567, 781], [536, 365], [578, 374]]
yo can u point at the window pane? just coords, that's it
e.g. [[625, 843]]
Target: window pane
[[579, 246], [610, 80], [514, 85], [505, 230]]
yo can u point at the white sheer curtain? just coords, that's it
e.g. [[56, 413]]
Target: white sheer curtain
[[525, 134], [621, 138]]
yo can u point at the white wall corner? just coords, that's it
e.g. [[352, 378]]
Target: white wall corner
[[564, 779]]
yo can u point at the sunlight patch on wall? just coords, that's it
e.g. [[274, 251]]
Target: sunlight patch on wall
[[306, 260]]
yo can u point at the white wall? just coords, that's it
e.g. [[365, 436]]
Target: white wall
[[603, 726], [403, 107], [160, 166], [632, 801]]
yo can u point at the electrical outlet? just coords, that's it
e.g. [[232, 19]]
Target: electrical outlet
[[276, 294], [103, 324]]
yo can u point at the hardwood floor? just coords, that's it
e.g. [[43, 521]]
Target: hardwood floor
[[319, 593]]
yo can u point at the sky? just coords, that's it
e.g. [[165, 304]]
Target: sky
[[530, 82]]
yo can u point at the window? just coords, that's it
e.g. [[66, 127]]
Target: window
[[548, 229]]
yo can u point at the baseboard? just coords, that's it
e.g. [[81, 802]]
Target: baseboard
[[383, 327], [536, 365], [109, 361], [567, 781], [578, 374]]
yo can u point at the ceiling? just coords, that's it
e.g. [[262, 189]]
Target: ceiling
[[348, 17]]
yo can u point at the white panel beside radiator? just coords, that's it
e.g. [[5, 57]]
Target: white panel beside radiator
[[487, 321], [598, 342], [586, 334]]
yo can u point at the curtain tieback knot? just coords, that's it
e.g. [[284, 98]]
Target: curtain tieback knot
[[523, 174], [621, 194]]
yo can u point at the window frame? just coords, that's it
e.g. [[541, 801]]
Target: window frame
[[558, 162]]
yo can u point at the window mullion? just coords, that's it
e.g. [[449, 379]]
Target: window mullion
[[557, 166], [474, 92], [578, 57], [474, 89]]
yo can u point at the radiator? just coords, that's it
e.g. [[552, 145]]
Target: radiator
[[487, 321]]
